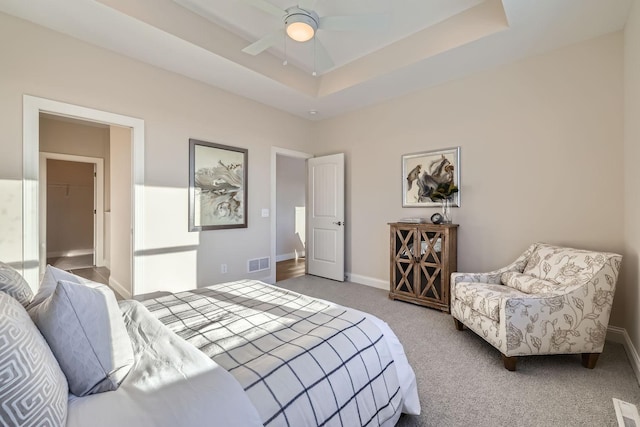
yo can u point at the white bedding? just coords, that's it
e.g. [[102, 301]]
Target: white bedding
[[171, 384], [298, 358]]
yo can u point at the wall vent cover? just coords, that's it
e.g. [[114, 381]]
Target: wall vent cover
[[258, 264]]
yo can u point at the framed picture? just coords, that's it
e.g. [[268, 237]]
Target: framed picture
[[217, 186], [429, 176]]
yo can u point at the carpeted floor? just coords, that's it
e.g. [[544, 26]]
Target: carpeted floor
[[461, 378]]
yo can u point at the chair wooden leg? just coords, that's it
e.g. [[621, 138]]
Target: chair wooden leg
[[589, 360], [509, 362], [459, 324]]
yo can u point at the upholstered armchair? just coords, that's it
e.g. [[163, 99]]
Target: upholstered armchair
[[551, 300]]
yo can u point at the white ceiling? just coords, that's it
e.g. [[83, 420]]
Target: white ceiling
[[425, 42]]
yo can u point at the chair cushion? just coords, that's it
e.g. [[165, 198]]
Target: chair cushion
[[485, 298], [12, 283], [527, 284], [564, 266], [33, 389], [85, 330]]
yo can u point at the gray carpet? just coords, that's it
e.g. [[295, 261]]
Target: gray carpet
[[461, 378]]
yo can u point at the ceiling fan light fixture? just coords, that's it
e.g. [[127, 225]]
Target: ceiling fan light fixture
[[301, 27]]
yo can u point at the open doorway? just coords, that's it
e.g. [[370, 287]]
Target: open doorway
[[82, 195], [291, 173], [70, 190], [288, 205]]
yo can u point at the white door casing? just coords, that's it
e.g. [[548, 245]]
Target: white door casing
[[325, 248], [31, 108]]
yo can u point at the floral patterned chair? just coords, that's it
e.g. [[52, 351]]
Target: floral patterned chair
[[551, 300]]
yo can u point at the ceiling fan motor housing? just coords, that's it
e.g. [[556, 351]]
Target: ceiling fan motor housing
[[301, 25]]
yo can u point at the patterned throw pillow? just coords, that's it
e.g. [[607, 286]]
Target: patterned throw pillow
[[33, 389], [12, 283], [527, 284], [85, 330]]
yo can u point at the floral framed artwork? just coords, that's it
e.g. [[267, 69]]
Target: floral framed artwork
[[217, 186], [430, 177]]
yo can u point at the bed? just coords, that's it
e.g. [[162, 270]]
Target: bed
[[248, 353]]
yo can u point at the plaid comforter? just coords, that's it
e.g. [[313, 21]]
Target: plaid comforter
[[301, 361]]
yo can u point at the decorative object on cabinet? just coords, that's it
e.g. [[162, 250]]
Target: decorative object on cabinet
[[551, 300], [423, 256], [430, 176], [217, 186], [437, 218]]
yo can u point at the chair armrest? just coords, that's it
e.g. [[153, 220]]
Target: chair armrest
[[493, 277]]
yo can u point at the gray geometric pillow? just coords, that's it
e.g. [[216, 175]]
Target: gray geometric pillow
[[85, 330], [12, 283], [49, 282], [33, 389]]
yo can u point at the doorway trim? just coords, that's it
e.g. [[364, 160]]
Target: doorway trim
[[32, 106], [275, 151], [98, 219]]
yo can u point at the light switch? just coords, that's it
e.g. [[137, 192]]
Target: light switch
[[265, 213]]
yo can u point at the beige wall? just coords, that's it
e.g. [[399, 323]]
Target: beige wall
[[631, 301], [77, 138], [69, 208], [42, 63], [541, 159], [291, 186]]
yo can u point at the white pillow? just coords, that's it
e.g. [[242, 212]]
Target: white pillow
[[85, 330], [33, 389], [49, 282]]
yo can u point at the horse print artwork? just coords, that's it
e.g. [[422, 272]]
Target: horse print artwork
[[431, 176]]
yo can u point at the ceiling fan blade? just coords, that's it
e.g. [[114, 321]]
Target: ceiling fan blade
[[323, 59], [306, 4], [265, 6], [353, 22], [265, 43]]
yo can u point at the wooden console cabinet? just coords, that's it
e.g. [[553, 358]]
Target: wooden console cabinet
[[423, 256]]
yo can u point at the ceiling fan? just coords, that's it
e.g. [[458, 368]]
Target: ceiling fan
[[301, 22]]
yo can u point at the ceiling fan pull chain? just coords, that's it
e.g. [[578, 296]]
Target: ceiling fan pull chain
[[285, 62], [314, 57]]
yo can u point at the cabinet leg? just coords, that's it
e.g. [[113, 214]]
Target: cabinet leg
[[459, 324], [509, 362]]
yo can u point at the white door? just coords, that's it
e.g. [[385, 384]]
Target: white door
[[325, 247]]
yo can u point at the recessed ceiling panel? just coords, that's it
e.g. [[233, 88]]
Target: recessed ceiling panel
[[399, 19]]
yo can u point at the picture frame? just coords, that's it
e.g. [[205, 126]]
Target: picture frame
[[424, 172], [217, 186]]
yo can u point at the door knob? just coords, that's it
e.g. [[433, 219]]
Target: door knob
[[339, 223]]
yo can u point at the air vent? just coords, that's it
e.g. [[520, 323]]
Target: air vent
[[258, 264]]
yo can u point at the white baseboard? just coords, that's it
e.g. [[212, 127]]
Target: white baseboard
[[369, 281], [74, 252], [285, 257], [292, 255], [124, 292], [620, 336]]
